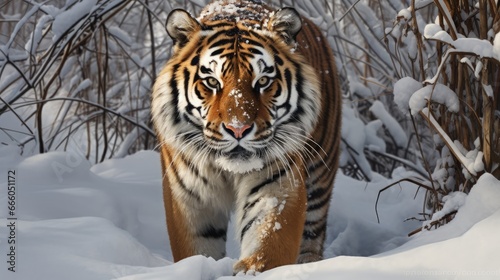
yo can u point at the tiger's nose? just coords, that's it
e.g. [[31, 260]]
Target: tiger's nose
[[237, 131]]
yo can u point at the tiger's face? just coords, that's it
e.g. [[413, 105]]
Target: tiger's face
[[235, 94]]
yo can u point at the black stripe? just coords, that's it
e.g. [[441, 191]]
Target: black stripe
[[228, 55], [268, 69], [222, 42], [252, 42], [246, 228], [248, 206], [217, 52], [322, 203], [250, 69], [287, 108], [198, 93], [175, 95], [278, 59], [186, 84], [321, 221], [212, 232], [187, 117], [193, 169], [275, 177], [195, 60], [286, 105], [232, 32], [214, 37], [316, 232], [184, 188], [180, 182], [254, 51], [318, 163], [188, 136], [297, 114], [309, 235], [315, 181], [288, 78], [226, 67], [205, 70], [318, 192]]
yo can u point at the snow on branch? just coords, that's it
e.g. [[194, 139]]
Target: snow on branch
[[471, 165], [438, 93], [391, 124], [480, 47]]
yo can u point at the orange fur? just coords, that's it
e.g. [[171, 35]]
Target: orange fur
[[281, 246], [178, 232]]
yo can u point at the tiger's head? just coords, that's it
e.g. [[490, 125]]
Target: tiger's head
[[235, 91]]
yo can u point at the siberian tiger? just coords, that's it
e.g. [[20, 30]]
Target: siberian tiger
[[247, 112]]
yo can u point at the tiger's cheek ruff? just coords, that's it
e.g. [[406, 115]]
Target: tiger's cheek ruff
[[165, 113]]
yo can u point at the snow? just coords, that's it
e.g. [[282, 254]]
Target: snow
[[435, 31], [120, 34], [452, 202], [373, 141], [405, 13], [83, 86], [229, 9], [437, 93], [391, 124], [469, 161], [353, 132], [481, 48], [403, 90], [36, 37], [107, 222], [65, 20]]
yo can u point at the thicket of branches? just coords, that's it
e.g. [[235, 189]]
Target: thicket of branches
[[78, 75], [406, 48]]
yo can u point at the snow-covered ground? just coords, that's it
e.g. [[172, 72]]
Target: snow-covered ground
[[77, 221]]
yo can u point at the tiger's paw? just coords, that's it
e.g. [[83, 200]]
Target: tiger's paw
[[249, 266]]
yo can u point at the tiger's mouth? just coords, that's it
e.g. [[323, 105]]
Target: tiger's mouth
[[240, 160], [239, 153]]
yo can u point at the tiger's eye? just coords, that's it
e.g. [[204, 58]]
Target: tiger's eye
[[263, 81], [212, 82]]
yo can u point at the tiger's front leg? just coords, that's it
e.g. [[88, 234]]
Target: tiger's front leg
[[196, 221], [270, 216]]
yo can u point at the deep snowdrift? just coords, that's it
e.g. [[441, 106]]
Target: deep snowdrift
[[76, 221]]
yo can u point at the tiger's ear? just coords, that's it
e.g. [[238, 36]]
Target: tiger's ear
[[180, 25], [287, 23]]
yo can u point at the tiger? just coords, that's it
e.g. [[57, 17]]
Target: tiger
[[247, 113]]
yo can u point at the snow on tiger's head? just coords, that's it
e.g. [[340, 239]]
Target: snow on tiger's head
[[234, 91]]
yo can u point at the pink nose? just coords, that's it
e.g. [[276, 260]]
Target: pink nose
[[237, 131]]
